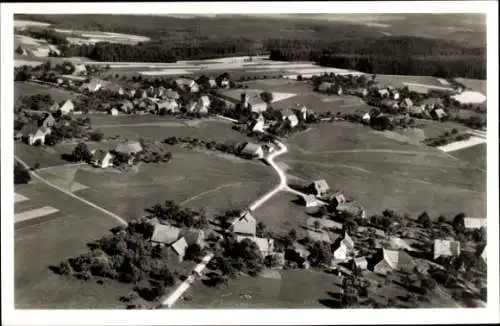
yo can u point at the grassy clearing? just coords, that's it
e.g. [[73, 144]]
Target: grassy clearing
[[312, 285], [475, 155], [188, 174], [28, 89]]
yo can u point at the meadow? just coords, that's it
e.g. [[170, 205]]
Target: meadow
[[29, 89]]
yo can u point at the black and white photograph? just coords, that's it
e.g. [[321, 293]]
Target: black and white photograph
[[330, 161]]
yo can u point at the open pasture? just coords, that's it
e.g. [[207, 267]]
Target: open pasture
[[188, 175], [29, 89], [475, 155]]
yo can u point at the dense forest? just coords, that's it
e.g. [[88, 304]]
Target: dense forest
[[334, 44]]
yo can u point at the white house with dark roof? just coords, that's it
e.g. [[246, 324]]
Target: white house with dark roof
[[102, 159], [446, 248]]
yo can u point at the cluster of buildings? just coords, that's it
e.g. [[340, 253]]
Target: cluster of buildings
[[104, 158], [34, 132]]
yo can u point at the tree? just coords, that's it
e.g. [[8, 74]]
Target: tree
[[350, 226], [64, 268], [193, 252], [96, 136], [458, 223], [267, 97], [21, 174], [441, 219], [320, 253], [424, 220], [81, 153]]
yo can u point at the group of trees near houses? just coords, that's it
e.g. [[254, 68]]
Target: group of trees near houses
[[126, 255], [172, 213]]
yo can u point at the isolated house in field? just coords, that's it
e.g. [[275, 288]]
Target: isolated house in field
[[130, 148], [102, 159], [438, 113], [475, 223], [252, 150], [113, 111], [265, 245], [392, 260], [80, 70], [325, 87], [319, 188], [244, 224], [165, 234], [289, 116], [179, 247], [67, 107], [446, 248], [310, 201]]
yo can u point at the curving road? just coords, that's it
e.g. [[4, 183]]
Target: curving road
[[282, 186]]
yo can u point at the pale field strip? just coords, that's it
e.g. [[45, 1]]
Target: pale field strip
[[19, 198], [458, 145], [443, 81], [34, 213], [470, 97], [428, 86]]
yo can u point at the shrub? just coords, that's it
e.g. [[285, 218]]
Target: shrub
[[21, 174]]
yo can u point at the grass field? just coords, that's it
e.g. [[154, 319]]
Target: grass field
[[382, 173], [28, 89], [398, 80], [45, 156], [475, 155], [477, 85], [203, 181]]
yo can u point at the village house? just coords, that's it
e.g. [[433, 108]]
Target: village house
[[319, 188], [406, 104], [165, 234], [179, 248], [392, 260], [47, 120], [265, 245], [359, 264], [345, 248], [54, 108], [396, 243], [252, 150], [160, 92], [475, 222], [225, 83], [253, 103], [366, 118], [212, 83], [80, 70], [337, 199], [289, 116], [202, 104], [31, 134], [310, 201], [257, 125], [102, 159], [187, 84], [245, 223], [303, 112], [383, 93], [167, 106], [67, 107], [126, 106], [113, 111], [93, 86], [446, 248], [438, 113]]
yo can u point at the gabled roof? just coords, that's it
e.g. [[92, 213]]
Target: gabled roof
[[100, 155], [398, 259], [129, 147], [180, 246], [348, 242], [251, 148], [446, 248], [165, 234], [245, 223], [311, 200]]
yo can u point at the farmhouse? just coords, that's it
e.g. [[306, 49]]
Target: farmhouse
[[244, 224], [179, 247], [187, 84], [290, 117], [406, 104], [337, 199], [102, 159], [359, 263], [390, 260], [438, 114], [265, 245], [310, 201], [319, 187], [131, 147], [165, 234], [345, 247], [252, 150], [80, 70], [67, 107], [113, 112], [47, 121], [202, 104], [366, 118], [475, 222], [31, 134], [446, 248], [169, 105]]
